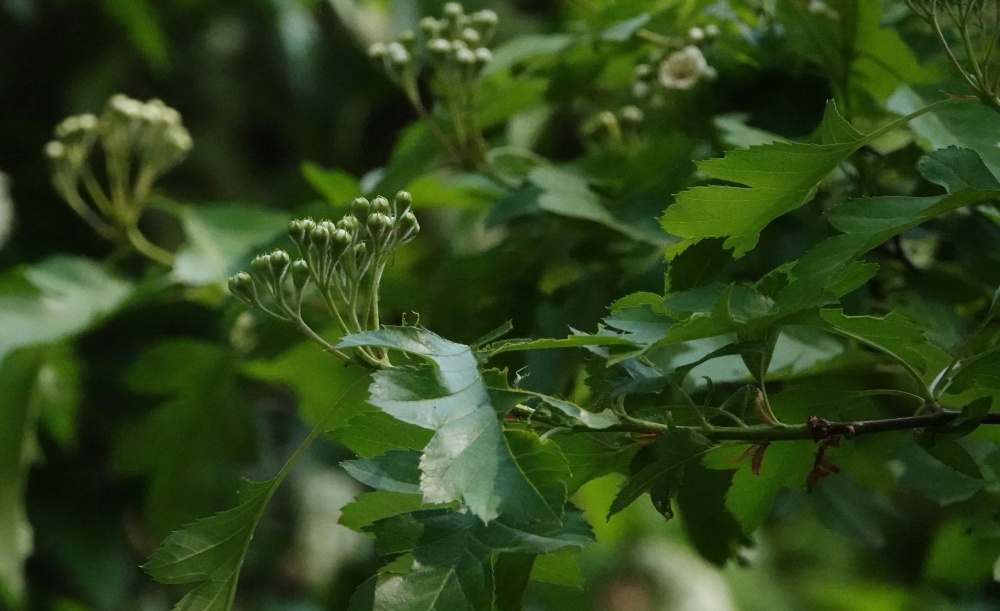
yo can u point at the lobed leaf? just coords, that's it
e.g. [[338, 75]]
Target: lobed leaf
[[469, 459]]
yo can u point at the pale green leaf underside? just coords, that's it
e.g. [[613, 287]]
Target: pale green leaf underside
[[469, 459]]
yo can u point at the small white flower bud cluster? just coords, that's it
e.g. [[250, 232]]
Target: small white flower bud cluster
[[681, 69], [139, 141], [343, 260], [456, 44]]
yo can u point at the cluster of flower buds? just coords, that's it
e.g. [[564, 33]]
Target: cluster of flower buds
[[140, 141], [343, 260], [454, 44]]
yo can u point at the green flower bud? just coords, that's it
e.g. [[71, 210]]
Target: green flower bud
[[457, 45], [242, 286], [399, 57], [380, 204], [465, 57], [431, 27], [406, 38], [439, 48], [278, 263], [349, 224], [300, 275], [260, 265], [631, 115], [483, 56], [453, 10], [485, 19], [643, 72], [377, 50], [408, 225], [297, 231], [471, 37], [360, 207], [55, 150], [320, 238], [402, 200]]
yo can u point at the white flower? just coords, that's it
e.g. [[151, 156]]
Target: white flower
[[684, 68]]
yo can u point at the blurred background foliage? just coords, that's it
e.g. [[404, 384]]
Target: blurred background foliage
[[151, 415]]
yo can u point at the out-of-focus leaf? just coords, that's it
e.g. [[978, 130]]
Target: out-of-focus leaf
[[524, 47], [623, 30], [138, 18], [972, 126], [750, 496], [339, 188], [18, 377], [559, 568], [6, 210], [203, 422], [58, 392], [54, 299], [469, 459], [669, 456], [219, 236]]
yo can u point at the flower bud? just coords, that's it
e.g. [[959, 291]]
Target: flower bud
[[348, 223], [465, 58], [297, 231], [377, 51], [380, 204], [696, 34], [360, 207], [453, 10], [300, 275], [483, 56], [439, 48], [55, 150], [242, 286], [402, 200], [320, 238], [471, 37], [278, 263], [406, 38], [431, 27], [399, 57], [631, 114], [408, 225], [711, 30], [484, 19]]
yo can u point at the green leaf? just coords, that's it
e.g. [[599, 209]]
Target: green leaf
[[623, 30], [573, 341], [445, 558], [368, 508], [701, 500], [784, 465], [58, 392], [18, 378], [671, 452], [558, 568], [956, 169], [337, 187], [202, 422], [972, 126], [210, 551], [518, 49], [395, 471], [591, 455], [219, 237], [951, 452], [55, 299], [469, 459], [981, 370], [777, 178], [893, 335]]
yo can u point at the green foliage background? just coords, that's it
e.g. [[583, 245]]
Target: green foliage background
[[133, 398]]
